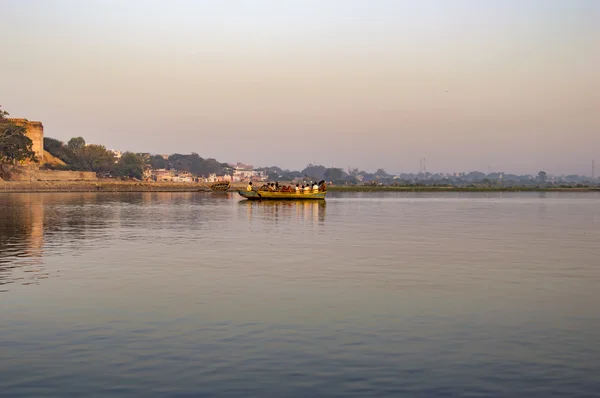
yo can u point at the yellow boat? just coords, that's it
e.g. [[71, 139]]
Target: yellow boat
[[278, 195]]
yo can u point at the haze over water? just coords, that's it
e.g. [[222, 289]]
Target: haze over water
[[378, 294]]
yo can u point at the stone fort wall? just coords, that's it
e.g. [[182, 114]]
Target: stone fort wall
[[31, 172], [35, 132]]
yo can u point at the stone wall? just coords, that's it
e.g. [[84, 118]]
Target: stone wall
[[55, 175], [33, 173], [35, 132]]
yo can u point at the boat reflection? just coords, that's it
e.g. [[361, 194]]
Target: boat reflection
[[301, 211]]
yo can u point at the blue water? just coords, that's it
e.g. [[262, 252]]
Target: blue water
[[368, 294]]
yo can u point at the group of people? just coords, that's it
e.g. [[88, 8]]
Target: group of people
[[312, 187]]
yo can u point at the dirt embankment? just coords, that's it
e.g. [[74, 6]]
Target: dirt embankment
[[107, 185]]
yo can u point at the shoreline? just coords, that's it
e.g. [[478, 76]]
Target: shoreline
[[139, 186], [458, 189]]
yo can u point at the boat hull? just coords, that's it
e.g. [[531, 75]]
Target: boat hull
[[220, 186], [268, 195]]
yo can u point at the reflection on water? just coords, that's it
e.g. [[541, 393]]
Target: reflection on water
[[278, 210], [366, 294], [21, 238], [62, 221]]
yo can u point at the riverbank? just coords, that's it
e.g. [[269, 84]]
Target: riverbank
[[457, 189], [110, 185]]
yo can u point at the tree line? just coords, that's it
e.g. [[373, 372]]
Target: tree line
[[319, 172], [80, 156], [192, 163]]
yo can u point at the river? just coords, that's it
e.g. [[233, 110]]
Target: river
[[367, 294]]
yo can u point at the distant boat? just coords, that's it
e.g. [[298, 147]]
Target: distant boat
[[278, 195], [220, 186]]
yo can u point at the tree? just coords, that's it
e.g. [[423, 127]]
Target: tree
[[74, 153], [542, 176], [381, 173], [15, 146], [158, 162], [130, 165], [57, 148], [97, 158], [53, 146], [314, 172], [333, 174], [76, 143], [195, 164]]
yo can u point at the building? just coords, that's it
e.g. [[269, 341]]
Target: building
[[219, 178], [161, 175], [183, 176], [244, 173], [118, 154]]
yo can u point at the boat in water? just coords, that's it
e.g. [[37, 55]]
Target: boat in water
[[221, 186], [281, 195]]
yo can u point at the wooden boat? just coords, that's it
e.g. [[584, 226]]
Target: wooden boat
[[278, 195], [221, 186]]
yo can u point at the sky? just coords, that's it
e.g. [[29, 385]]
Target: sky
[[511, 85]]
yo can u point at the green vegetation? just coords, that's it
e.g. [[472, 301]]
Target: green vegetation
[[130, 165], [80, 156], [191, 163]]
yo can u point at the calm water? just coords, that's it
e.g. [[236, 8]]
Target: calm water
[[412, 295]]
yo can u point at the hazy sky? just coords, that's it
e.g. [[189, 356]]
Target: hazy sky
[[514, 85]]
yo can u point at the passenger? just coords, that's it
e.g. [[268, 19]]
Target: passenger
[[297, 188], [249, 187], [315, 188], [306, 188], [277, 186], [271, 187]]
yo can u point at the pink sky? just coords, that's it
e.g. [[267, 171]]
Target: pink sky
[[512, 85]]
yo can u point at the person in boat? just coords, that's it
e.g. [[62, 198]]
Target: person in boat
[[271, 187], [297, 188], [306, 188], [249, 187], [315, 188], [322, 186]]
